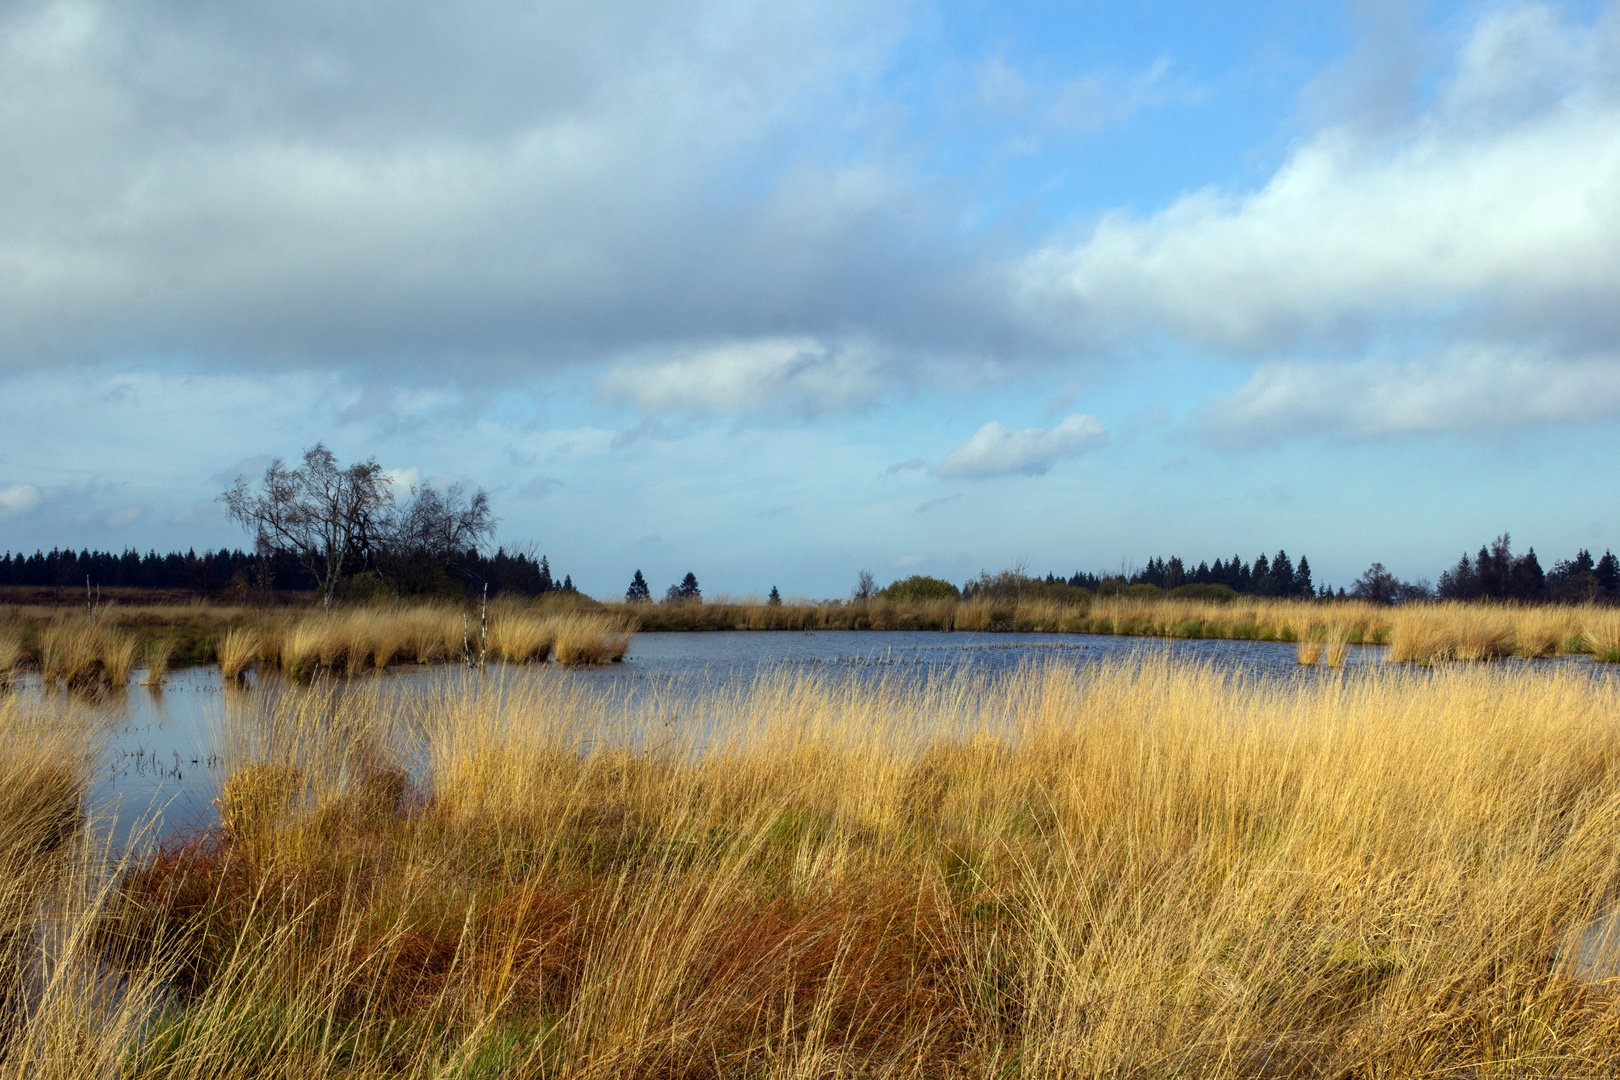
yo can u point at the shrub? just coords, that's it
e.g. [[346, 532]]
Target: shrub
[[920, 587]]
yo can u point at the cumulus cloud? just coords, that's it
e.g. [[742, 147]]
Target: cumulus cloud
[[19, 499], [1491, 221], [1497, 208], [1471, 388], [994, 450]]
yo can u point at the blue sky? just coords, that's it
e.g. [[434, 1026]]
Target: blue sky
[[777, 293]]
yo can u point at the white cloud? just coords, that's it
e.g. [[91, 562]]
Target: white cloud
[[401, 481], [799, 374], [994, 450], [19, 499], [1494, 216], [1471, 388]]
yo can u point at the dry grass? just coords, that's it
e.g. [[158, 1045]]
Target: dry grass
[[237, 651], [86, 654], [158, 652], [584, 639], [1133, 871], [10, 656]]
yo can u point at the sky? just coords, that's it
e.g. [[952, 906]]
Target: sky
[[775, 293]]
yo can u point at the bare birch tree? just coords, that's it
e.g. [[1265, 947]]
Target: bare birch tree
[[328, 517]]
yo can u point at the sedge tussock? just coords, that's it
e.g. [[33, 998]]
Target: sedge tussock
[[584, 638], [237, 651], [86, 654], [520, 637], [159, 651]]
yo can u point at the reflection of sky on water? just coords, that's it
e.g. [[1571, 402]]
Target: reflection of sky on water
[[163, 753]]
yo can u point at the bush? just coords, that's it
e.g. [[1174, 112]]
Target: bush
[[1213, 594], [920, 587], [1143, 591]]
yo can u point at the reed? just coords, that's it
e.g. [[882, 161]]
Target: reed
[[1307, 653], [301, 650]]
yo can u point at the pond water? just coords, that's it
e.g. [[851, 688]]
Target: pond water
[[164, 758]]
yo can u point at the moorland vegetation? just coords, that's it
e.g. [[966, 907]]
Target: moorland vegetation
[[1143, 869]]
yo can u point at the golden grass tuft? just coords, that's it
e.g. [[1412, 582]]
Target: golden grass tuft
[[521, 637], [159, 651], [237, 651], [1602, 636], [1308, 652], [584, 639], [85, 654]]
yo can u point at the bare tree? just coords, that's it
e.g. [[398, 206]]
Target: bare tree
[[442, 525], [328, 517], [865, 585]]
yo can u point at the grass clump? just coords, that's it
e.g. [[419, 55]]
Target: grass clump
[[588, 638], [158, 652], [86, 654]]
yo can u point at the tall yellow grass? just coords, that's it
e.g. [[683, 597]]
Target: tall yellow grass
[[1139, 870], [584, 638], [237, 650], [84, 654]]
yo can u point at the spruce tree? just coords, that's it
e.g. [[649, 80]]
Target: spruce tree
[[638, 592], [1608, 572], [688, 589], [1302, 579], [775, 599]]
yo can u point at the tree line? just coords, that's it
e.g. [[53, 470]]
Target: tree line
[[234, 570]]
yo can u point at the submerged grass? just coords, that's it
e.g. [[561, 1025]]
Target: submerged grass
[[1141, 869]]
